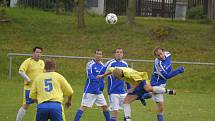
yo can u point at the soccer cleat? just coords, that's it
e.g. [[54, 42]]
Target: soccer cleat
[[171, 92], [143, 101]]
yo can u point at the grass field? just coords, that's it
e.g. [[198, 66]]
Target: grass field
[[57, 34]]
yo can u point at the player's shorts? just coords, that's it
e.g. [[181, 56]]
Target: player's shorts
[[27, 99], [50, 110], [139, 90], [158, 97], [89, 99], [116, 101]]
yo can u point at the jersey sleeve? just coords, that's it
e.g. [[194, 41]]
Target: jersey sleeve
[[66, 88], [24, 66], [163, 73], [90, 73]]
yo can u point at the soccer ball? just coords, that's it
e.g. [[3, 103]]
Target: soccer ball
[[111, 18]]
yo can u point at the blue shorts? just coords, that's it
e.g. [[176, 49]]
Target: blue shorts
[[139, 90], [49, 110], [27, 99]]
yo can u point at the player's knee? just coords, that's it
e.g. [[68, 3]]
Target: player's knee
[[25, 106]]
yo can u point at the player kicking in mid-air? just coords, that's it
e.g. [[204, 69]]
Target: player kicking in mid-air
[[162, 72], [93, 90], [138, 80]]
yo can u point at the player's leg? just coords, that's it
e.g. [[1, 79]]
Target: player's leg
[[159, 90], [87, 102], [26, 103], [114, 106], [159, 99], [127, 109], [101, 102]]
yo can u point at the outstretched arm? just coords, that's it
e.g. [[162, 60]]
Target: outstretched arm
[[172, 73]]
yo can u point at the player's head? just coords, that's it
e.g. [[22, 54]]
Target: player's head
[[117, 73], [50, 65], [98, 55], [159, 53], [37, 52], [119, 53]]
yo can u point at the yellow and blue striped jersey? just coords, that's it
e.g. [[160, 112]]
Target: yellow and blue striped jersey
[[50, 86], [32, 68], [132, 76]]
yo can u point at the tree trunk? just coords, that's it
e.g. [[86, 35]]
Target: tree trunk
[[57, 9], [80, 10], [131, 12]]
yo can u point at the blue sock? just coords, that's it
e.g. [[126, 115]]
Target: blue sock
[[107, 115], [113, 119], [78, 115], [160, 117]]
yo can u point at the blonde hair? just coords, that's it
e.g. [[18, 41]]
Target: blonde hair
[[117, 73]]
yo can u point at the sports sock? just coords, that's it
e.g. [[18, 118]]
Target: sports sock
[[127, 111], [107, 115], [78, 115], [20, 114]]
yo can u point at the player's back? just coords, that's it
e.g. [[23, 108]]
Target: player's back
[[115, 86], [50, 86]]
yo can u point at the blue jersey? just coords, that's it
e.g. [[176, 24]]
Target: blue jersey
[[93, 85], [115, 86], [163, 70]]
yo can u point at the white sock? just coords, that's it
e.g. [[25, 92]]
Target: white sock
[[127, 111], [159, 90], [20, 114]]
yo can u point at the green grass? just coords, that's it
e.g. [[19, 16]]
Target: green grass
[[58, 34]]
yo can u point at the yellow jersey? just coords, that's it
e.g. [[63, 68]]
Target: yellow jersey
[[50, 86], [132, 76], [32, 68]]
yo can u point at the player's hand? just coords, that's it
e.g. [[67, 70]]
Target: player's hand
[[181, 69], [99, 76], [27, 82], [68, 104]]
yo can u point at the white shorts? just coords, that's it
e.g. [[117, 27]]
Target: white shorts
[[116, 101], [158, 97], [89, 99]]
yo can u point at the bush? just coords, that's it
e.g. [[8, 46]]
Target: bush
[[196, 13]]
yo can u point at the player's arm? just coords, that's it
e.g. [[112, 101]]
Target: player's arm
[[108, 72], [33, 92], [171, 74], [90, 73], [22, 71], [67, 91]]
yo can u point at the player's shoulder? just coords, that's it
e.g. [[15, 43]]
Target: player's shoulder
[[109, 62], [123, 61], [90, 63]]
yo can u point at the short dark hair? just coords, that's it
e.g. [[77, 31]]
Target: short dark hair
[[156, 49], [50, 64], [119, 48], [97, 50], [37, 47]]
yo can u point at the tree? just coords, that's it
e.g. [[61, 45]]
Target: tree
[[80, 13], [131, 12]]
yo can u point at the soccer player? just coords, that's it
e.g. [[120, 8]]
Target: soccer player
[[48, 90], [162, 72], [140, 85], [93, 90], [28, 70], [116, 88]]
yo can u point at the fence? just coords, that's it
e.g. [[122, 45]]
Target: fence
[[10, 55], [194, 3], [66, 5], [162, 8], [211, 10]]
